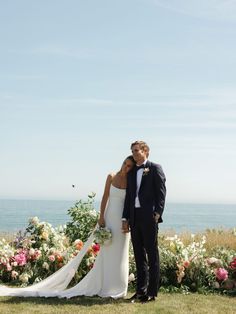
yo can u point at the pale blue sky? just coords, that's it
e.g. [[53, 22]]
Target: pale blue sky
[[81, 80]]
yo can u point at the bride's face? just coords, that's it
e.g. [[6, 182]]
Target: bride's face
[[127, 166]]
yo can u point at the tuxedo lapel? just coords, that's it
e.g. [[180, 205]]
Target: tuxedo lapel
[[145, 176]]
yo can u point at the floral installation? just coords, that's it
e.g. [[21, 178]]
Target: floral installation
[[40, 250], [190, 268]]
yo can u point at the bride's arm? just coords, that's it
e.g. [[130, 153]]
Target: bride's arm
[[101, 220]]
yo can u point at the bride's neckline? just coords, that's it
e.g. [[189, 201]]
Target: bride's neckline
[[117, 187]]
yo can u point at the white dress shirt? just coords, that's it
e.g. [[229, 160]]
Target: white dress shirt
[[138, 183]]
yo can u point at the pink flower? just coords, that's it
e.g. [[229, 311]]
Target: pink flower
[[221, 274], [20, 259], [233, 263], [9, 268], [78, 244], [186, 264], [51, 258], [14, 274], [34, 254], [96, 248]]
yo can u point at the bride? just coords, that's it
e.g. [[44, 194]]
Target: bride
[[109, 275]]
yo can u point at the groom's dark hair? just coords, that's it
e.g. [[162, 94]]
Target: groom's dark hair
[[143, 145]]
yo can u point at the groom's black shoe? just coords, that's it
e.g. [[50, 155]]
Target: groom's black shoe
[[146, 298], [136, 297]]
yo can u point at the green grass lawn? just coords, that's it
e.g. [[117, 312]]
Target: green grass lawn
[[165, 303]]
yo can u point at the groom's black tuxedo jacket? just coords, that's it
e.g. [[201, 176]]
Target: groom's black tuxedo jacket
[[151, 194]]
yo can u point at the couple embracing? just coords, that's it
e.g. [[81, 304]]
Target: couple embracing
[[132, 204]]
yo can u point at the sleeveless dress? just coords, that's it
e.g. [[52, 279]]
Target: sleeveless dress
[[109, 275]]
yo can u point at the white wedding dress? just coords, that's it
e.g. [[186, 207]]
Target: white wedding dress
[[109, 275]]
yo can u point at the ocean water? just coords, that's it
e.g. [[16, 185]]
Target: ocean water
[[14, 215]]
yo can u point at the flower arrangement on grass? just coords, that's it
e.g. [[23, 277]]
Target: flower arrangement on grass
[[190, 267], [41, 249], [193, 265]]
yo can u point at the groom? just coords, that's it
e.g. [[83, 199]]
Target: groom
[[143, 208]]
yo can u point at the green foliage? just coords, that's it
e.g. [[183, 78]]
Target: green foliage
[[84, 218]]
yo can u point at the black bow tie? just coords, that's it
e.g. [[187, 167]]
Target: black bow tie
[[140, 167]]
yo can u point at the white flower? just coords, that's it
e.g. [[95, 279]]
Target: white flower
[[204, 239], [131, 277], [60, 229], [77, 241], [34, 220], [24, 278], [87, 262], [31, 252], [146, 171], [14, 274], [45, 265], [213, 260], [216, 285], [91, 259]]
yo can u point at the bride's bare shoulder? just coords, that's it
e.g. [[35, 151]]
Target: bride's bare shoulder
[[109, 179], [111, 175]]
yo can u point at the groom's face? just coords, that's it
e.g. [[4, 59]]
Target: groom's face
[[139, 154]]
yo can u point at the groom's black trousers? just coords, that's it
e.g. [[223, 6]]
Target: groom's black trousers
[[144, 240]]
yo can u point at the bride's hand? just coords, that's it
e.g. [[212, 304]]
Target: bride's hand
[[125, 227], [101, 222]]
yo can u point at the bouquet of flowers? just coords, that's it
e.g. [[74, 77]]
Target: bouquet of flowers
[[102, 235]]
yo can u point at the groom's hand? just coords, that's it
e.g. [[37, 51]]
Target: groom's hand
[[156, 216], [125, 226]]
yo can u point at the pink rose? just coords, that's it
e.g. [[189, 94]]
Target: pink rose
[[233, 263], [96, 248], [20, 259], [221, 274], [51, 258]]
